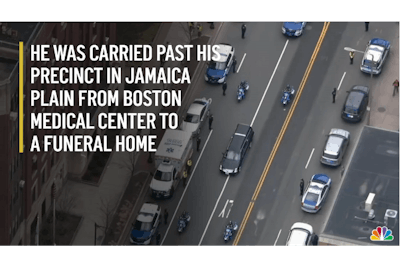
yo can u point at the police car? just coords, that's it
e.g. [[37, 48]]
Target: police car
[[218, 70], [375, 55], [146, 224], [316, 193], [293, 28]]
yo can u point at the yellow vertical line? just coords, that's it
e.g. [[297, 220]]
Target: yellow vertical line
[[21, 97]]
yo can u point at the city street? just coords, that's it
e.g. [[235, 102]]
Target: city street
[[269, 60]]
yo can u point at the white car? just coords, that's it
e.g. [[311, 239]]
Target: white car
[[300, 234], [196, 115]]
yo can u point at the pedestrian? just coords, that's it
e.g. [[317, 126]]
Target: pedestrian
[[395, 86], [301, 187], [210, 121], [234, 65], [189, 166], [243, 30], [315, 240], [191, 26], [212, 25], [198, 143], [351, 54], [366, 26], [165, 216], [199, 29], [185, 176], [224, 86], [333, 95], [158, 238]]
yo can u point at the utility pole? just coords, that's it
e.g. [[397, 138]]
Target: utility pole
[[53, 196]]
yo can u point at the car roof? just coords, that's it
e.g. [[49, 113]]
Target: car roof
[[374, 52], [354, 99], [362, 88], [333, 144], [166, 167], [147, 212], [224, 50], [302, 226], [242, 128], [236, 143], [195, 108]]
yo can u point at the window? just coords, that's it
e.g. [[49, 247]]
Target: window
[[33, 192]]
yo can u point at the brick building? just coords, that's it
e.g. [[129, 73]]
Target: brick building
[[27, 178]]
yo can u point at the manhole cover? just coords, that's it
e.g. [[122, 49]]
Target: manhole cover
[[381, 109]]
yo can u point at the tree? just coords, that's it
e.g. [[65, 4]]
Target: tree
[[107, 208], [66, 201]]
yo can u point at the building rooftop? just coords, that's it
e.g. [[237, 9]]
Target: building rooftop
[[373, 169], [10, 35]]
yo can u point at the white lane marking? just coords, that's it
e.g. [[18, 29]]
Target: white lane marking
[[187, 186], [276, 240], [230, 208], [222, 214], [241, 62], [215, 207], [309, 157], [269, 83], [344, 74]]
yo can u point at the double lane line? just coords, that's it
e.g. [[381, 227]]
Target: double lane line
[[281, 134]]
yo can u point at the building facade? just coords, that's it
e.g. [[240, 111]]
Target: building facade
[[25, 185]]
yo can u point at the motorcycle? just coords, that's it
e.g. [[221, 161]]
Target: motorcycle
[[230, 229], [287, 95], [183, 221], [242, 90]]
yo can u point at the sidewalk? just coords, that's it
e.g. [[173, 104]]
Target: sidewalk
[[113, 201], [385, 106]]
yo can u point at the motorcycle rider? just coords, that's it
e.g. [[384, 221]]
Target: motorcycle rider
[[230, 225], [287, 89]]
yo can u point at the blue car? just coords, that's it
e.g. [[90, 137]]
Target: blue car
[[217, 71], [375, 55], [316, 193], [293, 28]]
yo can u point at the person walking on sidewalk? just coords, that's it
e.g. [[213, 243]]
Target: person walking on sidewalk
[[224, 86], [189, 166], [165, 216], [210, 121], [395, 87], [351, 54], [243, 30], [366, 26], [234, 65], [333, 95], [158, 238], [185, 176], [198, 143], [301, 187], [199, 29]]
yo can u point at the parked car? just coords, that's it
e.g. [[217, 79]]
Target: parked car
[[316, 193], [293, 28], [335, 147], [196, 115], [145, 226], [356, 103], [217, 71], [300, 234], [375, 55], [235, 153]]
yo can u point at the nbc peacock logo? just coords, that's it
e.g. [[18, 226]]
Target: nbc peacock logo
[[381, 234]]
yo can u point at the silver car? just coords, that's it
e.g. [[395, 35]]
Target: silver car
[[300, 234], [335, 147], [196, 115]]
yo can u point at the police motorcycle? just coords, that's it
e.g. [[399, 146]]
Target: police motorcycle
[[287, 93], [183, 221], [242, 90], [230, 229]]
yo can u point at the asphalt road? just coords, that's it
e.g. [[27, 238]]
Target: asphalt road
[[278, 204]]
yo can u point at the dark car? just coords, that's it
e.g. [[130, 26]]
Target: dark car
[[240, 142], [293, 28], [375, 55], [356, 103]]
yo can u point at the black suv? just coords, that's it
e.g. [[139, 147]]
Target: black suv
[[356, 103], [241, 140]]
